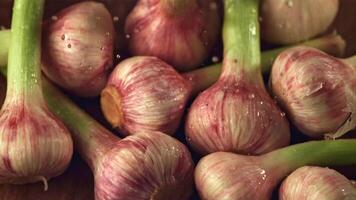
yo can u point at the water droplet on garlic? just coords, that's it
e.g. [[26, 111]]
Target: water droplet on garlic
[[115, 18], [54, 18], [290, 3], [215, 59]]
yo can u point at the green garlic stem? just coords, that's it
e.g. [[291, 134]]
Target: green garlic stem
[[241, 37], [319, 153], [91, 139], [5, 38], [25, 51]]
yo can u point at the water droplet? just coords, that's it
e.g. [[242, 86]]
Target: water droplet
[[69, 46], [115, 18], [215, 59], [261, 102], [290, 3], [118, 56], [252, 29], [188, 138], [54, 17], [128, 36], [258, 114], [251, 96], [283, 114], [102, 48]]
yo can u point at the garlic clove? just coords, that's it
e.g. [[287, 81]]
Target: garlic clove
[[144, 93]]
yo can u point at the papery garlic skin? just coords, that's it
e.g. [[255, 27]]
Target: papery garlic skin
[[292, 21], [227, 176], [316, 90], [237, 116], [147, 165], [314, 183], [34, 144], [144, 93], [78, 48], [183, 38]]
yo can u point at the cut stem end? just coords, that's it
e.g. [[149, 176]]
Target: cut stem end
[[111, 101]]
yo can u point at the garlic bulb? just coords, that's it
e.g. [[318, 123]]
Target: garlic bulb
[[78, 48], [291, 21], [180, 32], [316, 90], [144, 93], [314, 183], [147, 165]]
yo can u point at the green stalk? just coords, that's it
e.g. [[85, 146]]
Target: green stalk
[[241, 37], [5, 44], [91, 139], [319, 153], [25, 51]]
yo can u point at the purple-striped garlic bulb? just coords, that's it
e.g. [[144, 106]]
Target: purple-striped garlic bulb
[[144, 93], [34, 144], [147, 165], [316, 90], [292, 21], [224, 175], [236, 114], [78, 47], [180, 32], [315, 183]]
